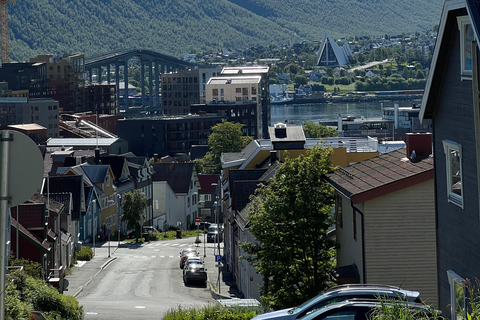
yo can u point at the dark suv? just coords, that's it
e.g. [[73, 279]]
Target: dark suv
[[338, 294]]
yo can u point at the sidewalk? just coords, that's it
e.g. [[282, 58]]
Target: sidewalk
[[86, 271]]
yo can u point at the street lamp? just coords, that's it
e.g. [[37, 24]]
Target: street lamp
[[94, 224], [119, 218]]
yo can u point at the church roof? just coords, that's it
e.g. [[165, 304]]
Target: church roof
[[331, 55]]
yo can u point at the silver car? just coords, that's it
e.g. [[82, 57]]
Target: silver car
[[338, 294]]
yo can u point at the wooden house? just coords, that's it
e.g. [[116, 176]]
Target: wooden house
[[451, 100], [385, 220]]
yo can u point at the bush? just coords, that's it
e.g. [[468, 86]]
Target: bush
[[85, 254], [25, 294], [33, 269], [212, 312]]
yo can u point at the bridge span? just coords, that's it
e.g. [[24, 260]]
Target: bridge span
[[157, 63]]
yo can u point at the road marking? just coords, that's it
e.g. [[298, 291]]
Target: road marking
[[140, 307]]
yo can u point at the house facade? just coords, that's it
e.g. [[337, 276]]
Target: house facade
[[175, 194], [451, 101], [385, 216]]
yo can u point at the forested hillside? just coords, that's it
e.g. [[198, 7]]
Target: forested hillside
[[181, 26]]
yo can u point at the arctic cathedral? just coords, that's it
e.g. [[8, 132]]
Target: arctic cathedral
[[331, 55]]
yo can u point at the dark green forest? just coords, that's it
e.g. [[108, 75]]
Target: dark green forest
[[188, 26]]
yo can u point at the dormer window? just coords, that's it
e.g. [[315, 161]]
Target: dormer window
[[466, 47]]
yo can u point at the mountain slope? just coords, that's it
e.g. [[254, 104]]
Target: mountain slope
[[178, 26]]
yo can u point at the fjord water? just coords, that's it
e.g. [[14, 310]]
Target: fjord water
[[319, 112]]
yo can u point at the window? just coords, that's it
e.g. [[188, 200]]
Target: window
[[215, 92], [457, 295], [221, 92], [238, 90], [466, 38], [338, 211], [254, 90], [453, 153]]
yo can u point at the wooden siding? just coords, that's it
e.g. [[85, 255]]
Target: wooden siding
[[350, 250], [458, 229], [400, 244]]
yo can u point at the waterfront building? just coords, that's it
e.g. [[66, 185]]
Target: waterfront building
[[179, 91], [42, 111], [27, 76], [166, 135], [263, 96], [65, 79]]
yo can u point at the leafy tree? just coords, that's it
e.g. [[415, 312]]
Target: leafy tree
[[300, 79], [133, 207], [225, 137], [289, 219], [316, 130]]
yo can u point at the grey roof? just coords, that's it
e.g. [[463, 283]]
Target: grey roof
[[245, 70], [75, 142], [96, 173], [234, 80], [242, 155], [294, 133]]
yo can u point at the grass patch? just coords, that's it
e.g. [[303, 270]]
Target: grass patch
[[85, 254], [169, 235], [212, 312]]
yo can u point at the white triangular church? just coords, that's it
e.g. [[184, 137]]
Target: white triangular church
[[331, 55]]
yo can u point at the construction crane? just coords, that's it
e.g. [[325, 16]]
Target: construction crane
[[4, 30]]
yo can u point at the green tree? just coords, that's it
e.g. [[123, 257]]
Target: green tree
[[300, 79], [316, 130], [225, 137], [133, 207], [289, 219]]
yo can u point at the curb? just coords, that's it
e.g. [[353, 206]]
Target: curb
[[103, 266]]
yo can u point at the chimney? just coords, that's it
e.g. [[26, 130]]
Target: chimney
[[280, 130], [97, 156], [273, 157], [419, 144]]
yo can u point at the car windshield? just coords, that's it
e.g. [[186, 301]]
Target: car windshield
[[213, 229], [195, 267], [300, 308]]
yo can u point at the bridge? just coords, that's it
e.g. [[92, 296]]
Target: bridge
[[157, 63]]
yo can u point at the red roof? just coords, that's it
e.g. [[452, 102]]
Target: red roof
[[206, 181]]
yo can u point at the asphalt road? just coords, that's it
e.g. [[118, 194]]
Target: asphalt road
[[143, 282]]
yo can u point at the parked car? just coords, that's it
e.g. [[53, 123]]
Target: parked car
[[190, 260], [359, 309], [146, 229], [340, 293], [214, 234], [195, 272], [184, 258]]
